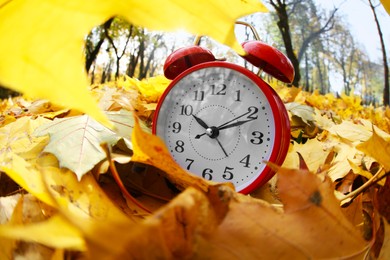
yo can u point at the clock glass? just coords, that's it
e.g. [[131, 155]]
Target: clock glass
[[222, 122]]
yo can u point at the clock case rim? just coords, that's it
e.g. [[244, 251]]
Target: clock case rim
[[282, 133]]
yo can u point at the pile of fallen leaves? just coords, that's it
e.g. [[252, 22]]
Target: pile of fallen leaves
[[71, 187]]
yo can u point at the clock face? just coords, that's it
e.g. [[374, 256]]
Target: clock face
[[221, 122]]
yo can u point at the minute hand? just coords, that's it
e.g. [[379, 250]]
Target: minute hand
[[234, 119], [238, 123]]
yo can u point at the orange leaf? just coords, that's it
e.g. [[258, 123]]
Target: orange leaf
[[312, 225]]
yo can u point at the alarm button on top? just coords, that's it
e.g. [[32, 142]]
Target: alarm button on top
[[184, 58], [269, 59]]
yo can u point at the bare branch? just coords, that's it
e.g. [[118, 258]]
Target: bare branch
[[326, 27]]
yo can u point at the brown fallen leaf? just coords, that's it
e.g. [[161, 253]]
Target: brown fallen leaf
[[312, 226], [354, 212], [178, 230], [228, 225], [171, 232], [382, 200], [385, 251]]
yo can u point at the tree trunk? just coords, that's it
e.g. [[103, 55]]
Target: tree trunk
[[141, 59], [93, 73], [318, 65], [132, 64], [386, 89], [91, 55], [284, 29], [116, 50], [307, 85], [280, 7], [147, 67]]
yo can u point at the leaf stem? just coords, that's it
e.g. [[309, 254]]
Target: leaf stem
[[118, 180]]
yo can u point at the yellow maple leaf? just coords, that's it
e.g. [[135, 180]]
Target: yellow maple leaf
[[312, 151], [28, 177], [359, 170], [47, 233], [87, 207], [8, 245], [378, 148], [386, 5], [152, 88], [17, 137], [45, 59]]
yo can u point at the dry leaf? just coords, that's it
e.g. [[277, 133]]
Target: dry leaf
[[312, 226], [358, 170], [354, 212], [17, 138], [386, 5], [55, 232], [84, 204], [8, 245], [378, 148], [385, 251], [313, 152], [306, 113], [28, 177], [75, 141], [123, 121], [383, 200]]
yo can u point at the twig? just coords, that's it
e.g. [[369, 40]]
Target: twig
[[374, 179]]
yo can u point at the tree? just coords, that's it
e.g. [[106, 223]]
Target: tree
[[372, 83], [386, 89], [344, 55], [287, 9], [142, 56], [118, 40], [94, 42], [320, 73], [119, 36], [147, 65]]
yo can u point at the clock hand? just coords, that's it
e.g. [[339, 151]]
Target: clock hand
[[201, 122], [227, 125], [199, 136], [204, 125], [228, 122], [220, 145], [221, 126], [238, 123]]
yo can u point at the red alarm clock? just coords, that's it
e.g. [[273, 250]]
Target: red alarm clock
[[221, 121]]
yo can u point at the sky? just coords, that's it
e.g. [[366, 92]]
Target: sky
[[359, 16]]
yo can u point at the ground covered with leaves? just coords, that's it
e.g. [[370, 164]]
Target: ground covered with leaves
[[73, 188]]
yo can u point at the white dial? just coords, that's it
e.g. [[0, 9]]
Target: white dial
[[219, 124]]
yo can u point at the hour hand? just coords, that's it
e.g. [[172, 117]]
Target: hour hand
[[201, 122]]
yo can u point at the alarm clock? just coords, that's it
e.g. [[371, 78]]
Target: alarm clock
[[220, 120]]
